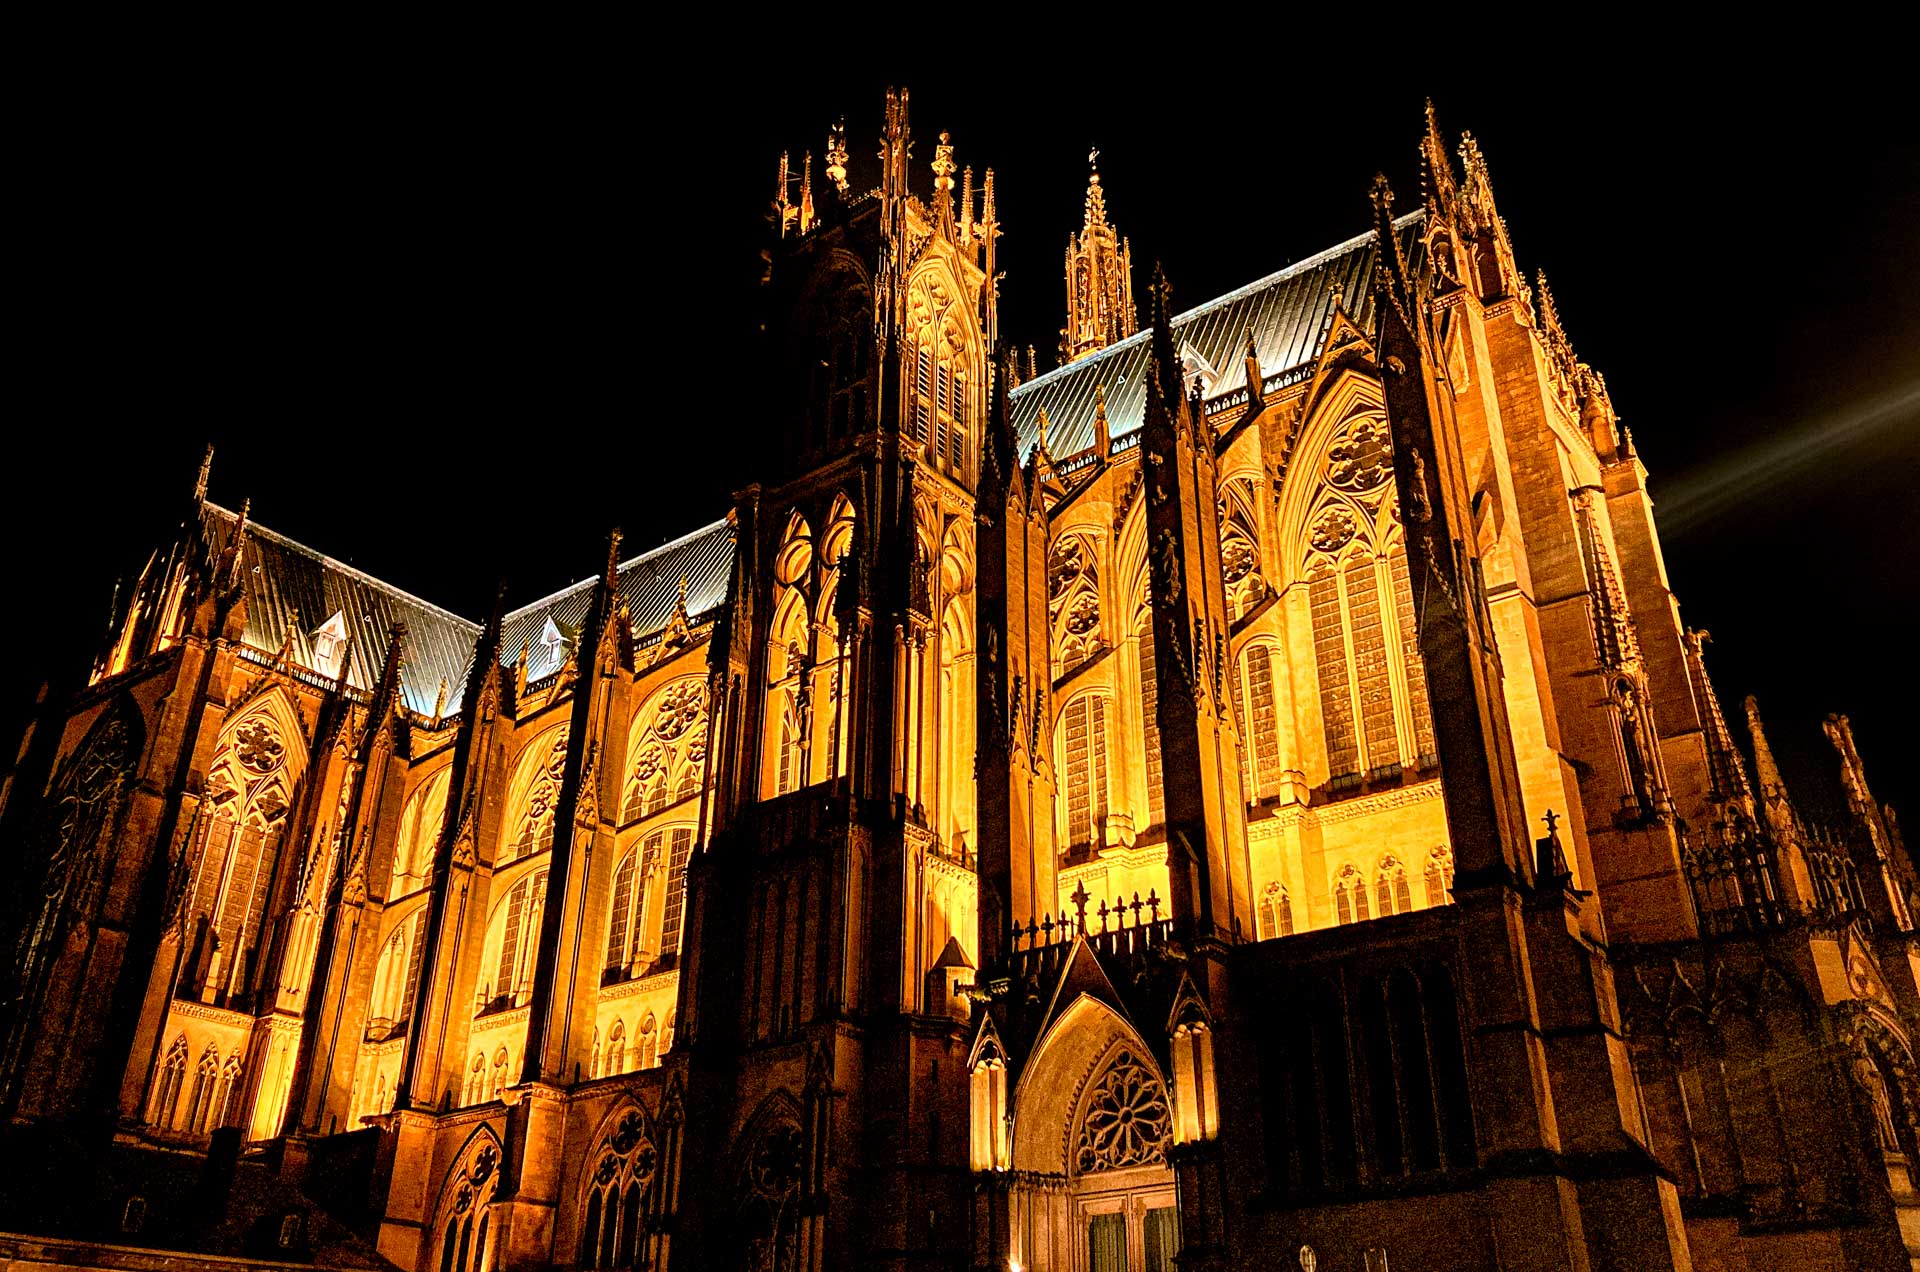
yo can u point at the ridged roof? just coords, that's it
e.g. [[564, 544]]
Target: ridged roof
[[1287, 311], [649, 584], [291, 590]]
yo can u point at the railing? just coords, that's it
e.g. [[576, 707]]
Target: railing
[[1733, 872], [1121, 929]]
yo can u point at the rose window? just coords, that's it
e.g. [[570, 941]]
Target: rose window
[[1126, 1122]]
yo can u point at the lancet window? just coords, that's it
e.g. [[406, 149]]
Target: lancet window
[[514, 936], [399, 974], [616, 1061], [673, 904], [90, 788], [202, 1106], [838, 373], [1440, 876], [1150, 724], [166, 1088], [1084, 744], [940, 373], [629, 951], [248, 790], [620, 1196], [1390, 888], [465, 1208], [1240, 546], [667, 750], [1372, 683], [1073, 602], [534, 794], [1350, 896], [1276, 913], [1256, 714], [420, 826]]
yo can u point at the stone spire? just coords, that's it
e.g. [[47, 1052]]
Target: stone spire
[[1725, 769], [1774, 804], [1100, 309]]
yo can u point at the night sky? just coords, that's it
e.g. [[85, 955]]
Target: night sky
[[451, 319]]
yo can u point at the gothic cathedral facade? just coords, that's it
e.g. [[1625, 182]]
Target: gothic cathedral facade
[[1242, 798]]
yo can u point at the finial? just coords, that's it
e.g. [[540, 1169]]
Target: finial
[[206, 471], [806, 193], [1101, 436], [1338, 291], [683, 593], [1382, 196], [1162, 292], [1043, 428], [440, 703], [988, 217], [966, 204], [612, 577], [943, 163], [837, 155], [1096, 198]]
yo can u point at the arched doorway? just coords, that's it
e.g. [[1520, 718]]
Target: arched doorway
[[1091, 1128], [1123, 1195]]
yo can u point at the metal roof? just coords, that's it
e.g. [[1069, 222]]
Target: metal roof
[[649, 584], [292, 590], [1287, 312]]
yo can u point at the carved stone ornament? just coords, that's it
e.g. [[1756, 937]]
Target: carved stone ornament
[[1332, 530], [1362, 458], [681, 707], [1126, 1122], [259, 747]]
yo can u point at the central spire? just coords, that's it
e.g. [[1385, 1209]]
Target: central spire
[[1099, 279]]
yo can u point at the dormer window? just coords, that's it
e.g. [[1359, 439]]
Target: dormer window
[[551, 653], [330, 645]]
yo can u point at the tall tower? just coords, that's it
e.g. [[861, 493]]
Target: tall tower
[[832, 911], [1099, 280]]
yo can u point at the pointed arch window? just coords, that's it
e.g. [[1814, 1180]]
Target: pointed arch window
[[620, 1194], [1085, 726], [248, 789], [1390, 888], [227, 1100], [477, 1080], [536, 793], [1440, 876], [1373, 692], [649, 1045], [420, 827], [616, 1049], [206, 1079], [1259, 721], [673, 905], [516, 933], [499, 1074], [167, 1084], [1350, 896], [1276, 913], [627, 950], [1150, 725], [668, 751]]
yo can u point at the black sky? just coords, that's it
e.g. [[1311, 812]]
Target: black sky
[[450, 316]]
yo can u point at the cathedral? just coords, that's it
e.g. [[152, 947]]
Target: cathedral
[[1245, 797]]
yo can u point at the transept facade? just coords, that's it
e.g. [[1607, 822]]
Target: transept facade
[[1244, 797]]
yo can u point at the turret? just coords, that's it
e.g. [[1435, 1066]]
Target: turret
[[1100, 309]]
